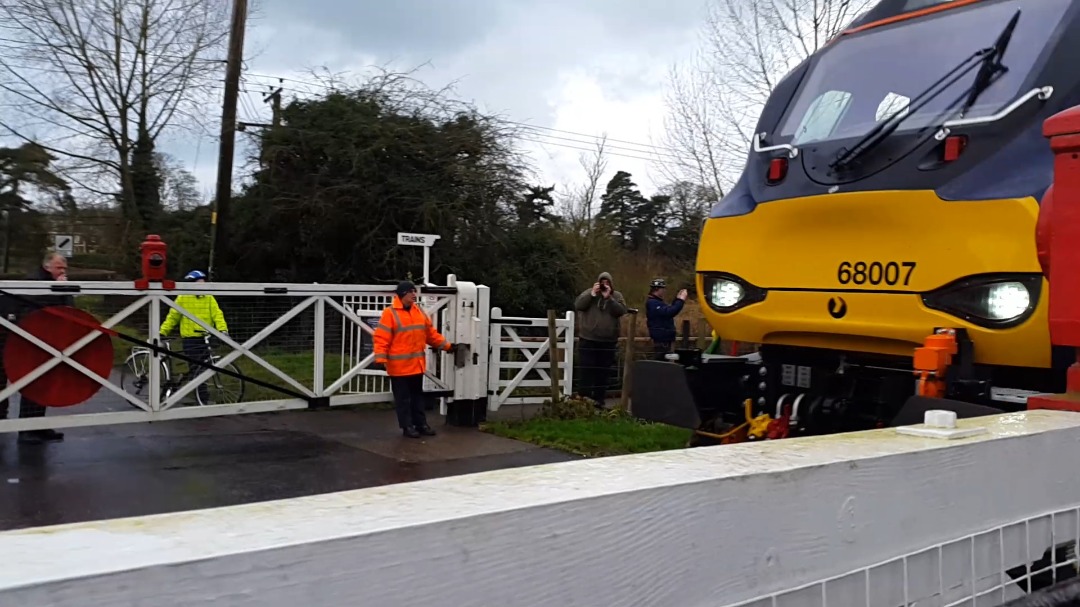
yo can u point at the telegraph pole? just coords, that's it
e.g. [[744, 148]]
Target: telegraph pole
[[274, 98], [228, 128]]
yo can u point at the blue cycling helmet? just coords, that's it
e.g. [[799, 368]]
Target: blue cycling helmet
[[195, 275]]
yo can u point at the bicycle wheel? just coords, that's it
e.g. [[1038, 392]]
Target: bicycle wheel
[[135, 377], [223, 389]]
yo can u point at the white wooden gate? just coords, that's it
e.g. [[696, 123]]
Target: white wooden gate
[[282, 342], [298, 346], [520, 365]]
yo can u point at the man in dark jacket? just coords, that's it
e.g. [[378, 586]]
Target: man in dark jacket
[[598, 312], [53, 268], [660, 317]]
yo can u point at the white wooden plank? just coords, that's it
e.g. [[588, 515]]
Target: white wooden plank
[[707, 526]]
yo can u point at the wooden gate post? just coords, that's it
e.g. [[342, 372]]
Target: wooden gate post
[[553, 355], [628, 360]]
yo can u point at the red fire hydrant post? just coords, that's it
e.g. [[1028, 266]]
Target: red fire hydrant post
[[1059, 254], [154, 258]]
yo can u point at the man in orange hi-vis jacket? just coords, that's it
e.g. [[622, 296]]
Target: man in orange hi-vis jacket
[[400, 338]]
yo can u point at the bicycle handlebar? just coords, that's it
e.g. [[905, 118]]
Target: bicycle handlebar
[[168, 339]]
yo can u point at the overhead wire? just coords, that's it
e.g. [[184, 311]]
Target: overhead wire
[[661, 155], [668, 150]]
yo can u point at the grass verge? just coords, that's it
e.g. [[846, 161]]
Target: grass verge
[[577, 427]]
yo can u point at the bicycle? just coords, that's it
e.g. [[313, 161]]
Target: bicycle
[[136, 376]]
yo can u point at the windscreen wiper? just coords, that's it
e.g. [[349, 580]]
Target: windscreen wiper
[[989, 62], [991, 66]]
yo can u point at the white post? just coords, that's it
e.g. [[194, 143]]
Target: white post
[[494, 359], [427, 265], [420, 240], [319, 378], [154, 398], [568, 356]]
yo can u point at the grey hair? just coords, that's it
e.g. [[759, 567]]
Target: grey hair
[[50, 255]]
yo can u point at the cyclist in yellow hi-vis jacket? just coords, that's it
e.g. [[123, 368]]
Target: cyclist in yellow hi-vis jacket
[[205, 308]]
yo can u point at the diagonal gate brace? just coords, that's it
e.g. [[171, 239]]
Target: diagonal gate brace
[[313, 402]]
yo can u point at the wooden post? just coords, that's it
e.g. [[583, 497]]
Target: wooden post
[[227, 140], [553, 355], [628, 360], [703, 334]]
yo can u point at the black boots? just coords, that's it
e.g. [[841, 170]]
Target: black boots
[[414, 432], [36, 437]]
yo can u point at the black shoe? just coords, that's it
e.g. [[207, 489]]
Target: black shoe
[[36, 437], [30, 438], [410, 432], [426, 430]]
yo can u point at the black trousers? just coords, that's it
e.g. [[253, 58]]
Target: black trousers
[[409, 400], [196, 348], [27, 407], [660, 349], [596, 364]]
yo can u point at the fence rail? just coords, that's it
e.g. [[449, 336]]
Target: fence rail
[[521, 359], [286, 346]]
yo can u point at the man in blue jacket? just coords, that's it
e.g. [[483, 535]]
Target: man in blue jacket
[[661, 317]]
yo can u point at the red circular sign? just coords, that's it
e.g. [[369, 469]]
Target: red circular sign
[[62, 385]]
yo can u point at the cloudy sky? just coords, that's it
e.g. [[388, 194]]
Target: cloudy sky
[[574, 69]]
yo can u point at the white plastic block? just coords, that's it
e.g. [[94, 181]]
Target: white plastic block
[[938, 418], [938, 423]]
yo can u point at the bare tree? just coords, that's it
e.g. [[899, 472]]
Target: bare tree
[[93, 81], [580, 205], [714, 101], [179, 188]]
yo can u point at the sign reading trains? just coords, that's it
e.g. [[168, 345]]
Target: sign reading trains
[[416, 240]]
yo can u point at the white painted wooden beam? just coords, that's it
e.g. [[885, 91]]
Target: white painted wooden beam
[[706, 526]]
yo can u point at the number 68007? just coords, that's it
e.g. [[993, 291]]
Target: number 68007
[[890, 273]]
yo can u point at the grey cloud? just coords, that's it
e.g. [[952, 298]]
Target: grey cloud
[[397, 27], [506, 55]]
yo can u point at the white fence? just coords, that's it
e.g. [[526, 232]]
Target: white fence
[[862, 519], [289, 346], [522, 346], [281, 342]]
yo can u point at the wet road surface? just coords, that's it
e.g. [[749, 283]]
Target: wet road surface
[[138, 469]]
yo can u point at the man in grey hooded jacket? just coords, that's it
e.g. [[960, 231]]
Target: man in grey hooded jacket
[[598, 312]]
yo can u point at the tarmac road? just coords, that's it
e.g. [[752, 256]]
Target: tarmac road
[[138, 469]]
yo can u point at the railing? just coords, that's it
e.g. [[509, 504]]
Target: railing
[[288, 346], [869, 518], [521, 359]]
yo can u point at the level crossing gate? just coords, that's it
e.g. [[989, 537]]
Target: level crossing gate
[[288, 346]]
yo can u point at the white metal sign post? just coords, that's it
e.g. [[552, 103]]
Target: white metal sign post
[[420, 240], [64, 244]]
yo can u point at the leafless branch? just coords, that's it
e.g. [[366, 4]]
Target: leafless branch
[[714, 100], [93, 74]]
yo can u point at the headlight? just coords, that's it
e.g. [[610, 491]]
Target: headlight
[[1007, 300], [726, 293], [994, 302]]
